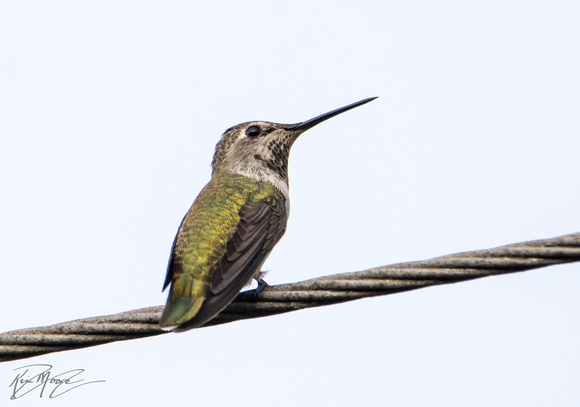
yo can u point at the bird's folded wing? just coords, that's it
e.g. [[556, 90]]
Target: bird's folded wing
[[254, 238]]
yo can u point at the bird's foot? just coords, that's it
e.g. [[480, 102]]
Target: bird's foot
[[261, 284]]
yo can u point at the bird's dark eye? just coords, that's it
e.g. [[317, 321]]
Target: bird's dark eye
[[253, 131]]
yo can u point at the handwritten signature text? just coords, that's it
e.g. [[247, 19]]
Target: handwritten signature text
[[40, 377]]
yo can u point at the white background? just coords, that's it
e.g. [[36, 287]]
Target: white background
[[110, 111]]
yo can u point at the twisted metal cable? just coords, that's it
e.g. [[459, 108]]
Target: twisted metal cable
[[278, 299]]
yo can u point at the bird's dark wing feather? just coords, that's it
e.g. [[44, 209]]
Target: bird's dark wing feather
[[169, 275], [244, 248], [261, 225]]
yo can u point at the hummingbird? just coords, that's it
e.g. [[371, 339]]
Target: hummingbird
[[235, 221]]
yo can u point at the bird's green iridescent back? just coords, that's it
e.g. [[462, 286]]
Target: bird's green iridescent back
[[202, 240], [212, 220]]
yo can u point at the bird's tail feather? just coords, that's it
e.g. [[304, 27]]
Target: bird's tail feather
[[185, 298]]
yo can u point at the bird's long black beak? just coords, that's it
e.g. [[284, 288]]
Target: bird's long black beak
[[319, 119]]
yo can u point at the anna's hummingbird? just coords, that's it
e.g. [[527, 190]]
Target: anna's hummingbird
[[235, 221]]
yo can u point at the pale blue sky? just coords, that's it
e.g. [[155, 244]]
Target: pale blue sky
[[110, 114]]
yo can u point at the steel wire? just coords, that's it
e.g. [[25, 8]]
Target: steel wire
[[317, 292]]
